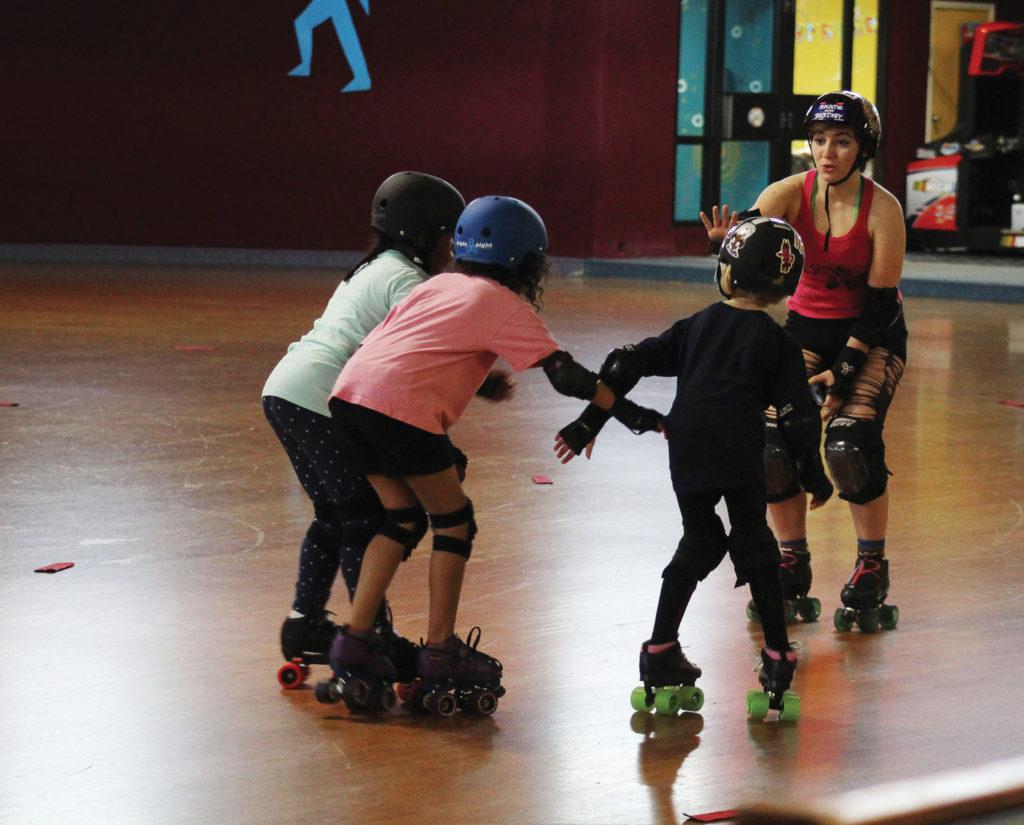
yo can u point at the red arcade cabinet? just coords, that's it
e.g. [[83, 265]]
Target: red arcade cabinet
[[967, 189]]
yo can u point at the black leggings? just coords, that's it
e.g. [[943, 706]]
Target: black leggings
[[346, 510]]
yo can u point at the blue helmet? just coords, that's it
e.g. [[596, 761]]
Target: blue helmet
[[499, 230]]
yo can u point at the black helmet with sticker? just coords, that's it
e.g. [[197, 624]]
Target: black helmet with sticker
[[763, 255], [853, 111]]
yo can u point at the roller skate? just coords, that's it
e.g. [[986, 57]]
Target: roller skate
[[795, 574], [863, 598], [776, 675], [363, 674], [404, 655], [668, 681], [457, 676], [304, 641]]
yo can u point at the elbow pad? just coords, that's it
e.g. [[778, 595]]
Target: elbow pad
[[882, 309], [568, 377], [622, 369]]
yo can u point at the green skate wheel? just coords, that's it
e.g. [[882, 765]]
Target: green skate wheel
[[666, 700], [888, 616], [790, 612], [757, 704], [638, 699], [691, 698], [752, 614], [809, 609], [842, 619], [868, 620], [790, 707]]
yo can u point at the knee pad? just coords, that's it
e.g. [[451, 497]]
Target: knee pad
[[753, 549], [856, 458], [697, 554], [392, 528], [325, 527], [781, 472], [452, 544]]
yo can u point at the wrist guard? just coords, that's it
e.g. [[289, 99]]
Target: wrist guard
[[845, 370], [635, 418]]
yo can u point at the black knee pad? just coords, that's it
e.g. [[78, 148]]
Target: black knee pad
[[392, 528], [452, 544], [781, 472], [855, 454], [697, 554], [325, 527], [753, 549]]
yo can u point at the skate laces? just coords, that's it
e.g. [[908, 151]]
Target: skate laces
[[468, 648], [866, 566]]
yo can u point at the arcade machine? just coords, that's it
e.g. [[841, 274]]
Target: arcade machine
[[966, 190]]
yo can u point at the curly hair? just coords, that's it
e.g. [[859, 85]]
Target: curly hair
[[527, 279]]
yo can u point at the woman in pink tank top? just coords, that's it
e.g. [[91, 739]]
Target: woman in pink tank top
[[847, 315]]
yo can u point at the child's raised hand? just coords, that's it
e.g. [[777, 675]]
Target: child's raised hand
[[718, 225]]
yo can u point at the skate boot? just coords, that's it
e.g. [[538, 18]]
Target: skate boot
[[863, 598], [668, 681], [304, 641], [404, 654], [776, 675], [795, 574], [457, 676], [363, 674]]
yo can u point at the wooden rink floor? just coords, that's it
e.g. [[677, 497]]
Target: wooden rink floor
[[139, 686]]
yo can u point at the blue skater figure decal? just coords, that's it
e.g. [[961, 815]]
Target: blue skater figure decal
[[337, 12]]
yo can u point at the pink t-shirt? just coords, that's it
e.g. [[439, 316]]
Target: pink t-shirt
[[426, 360]]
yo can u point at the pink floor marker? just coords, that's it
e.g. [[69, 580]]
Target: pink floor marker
[[542, 480], [1010, 402], [56, 567], [713, 816], [9, 404], [194, 348]]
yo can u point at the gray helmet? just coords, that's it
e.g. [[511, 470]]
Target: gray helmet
[[410, 203]]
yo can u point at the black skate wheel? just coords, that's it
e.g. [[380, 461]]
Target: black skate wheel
[[357, 694], [888, 616], [327, 693], [444, 705], [387, 699], [485, 703]]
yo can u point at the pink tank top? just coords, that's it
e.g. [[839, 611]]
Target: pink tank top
[[833, 283]]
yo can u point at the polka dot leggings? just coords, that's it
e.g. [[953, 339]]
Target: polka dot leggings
[[346, 510]]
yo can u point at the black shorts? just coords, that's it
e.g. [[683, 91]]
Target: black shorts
[[376, 444], [828, 336]]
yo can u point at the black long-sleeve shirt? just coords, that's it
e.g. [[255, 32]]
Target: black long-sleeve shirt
[[730, 364]]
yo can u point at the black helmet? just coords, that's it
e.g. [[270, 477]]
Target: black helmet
[[851, 110], [765, 255], [409, 203]]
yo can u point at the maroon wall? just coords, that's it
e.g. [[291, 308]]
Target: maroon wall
[[175, 123], [167, 123]]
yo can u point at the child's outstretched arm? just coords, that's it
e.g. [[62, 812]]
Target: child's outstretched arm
[[569, 378], [622, 370]]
